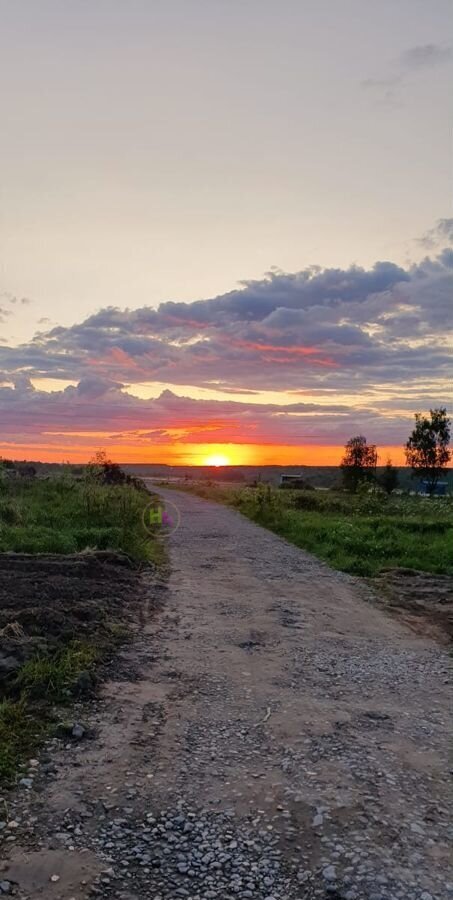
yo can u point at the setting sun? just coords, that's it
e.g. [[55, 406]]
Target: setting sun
[[217, 459]]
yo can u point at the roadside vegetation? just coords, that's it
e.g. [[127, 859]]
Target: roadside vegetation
[[72, 548], [361, 533], [62, 514], [27, 710], [369, 525]]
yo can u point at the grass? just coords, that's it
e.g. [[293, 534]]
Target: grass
[[20, 733], [52, 677], [26, 714], [28, 708], [62, 515], [360, 534]]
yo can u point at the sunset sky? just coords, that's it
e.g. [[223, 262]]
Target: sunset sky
[[225, 227]]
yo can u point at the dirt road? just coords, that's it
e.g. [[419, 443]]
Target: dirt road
[[269, 735]]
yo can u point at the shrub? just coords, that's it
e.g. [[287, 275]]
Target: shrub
[[307, 501]]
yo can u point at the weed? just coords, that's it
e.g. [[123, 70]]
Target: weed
[[51, 677], [20, 731]]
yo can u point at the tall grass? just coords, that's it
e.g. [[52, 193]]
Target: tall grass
[[62, 515], [360, 534]]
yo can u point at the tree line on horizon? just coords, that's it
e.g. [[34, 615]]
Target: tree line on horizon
[[427, 452]]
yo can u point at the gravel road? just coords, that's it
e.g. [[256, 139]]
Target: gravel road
[[271, 735]]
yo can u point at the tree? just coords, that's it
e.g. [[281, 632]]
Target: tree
[[427, 450], [358, 463], [104, 471], [388, 479]]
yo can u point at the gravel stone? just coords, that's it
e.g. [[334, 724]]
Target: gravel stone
[[270, 735]]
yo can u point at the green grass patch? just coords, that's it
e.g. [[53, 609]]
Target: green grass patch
[[27, 713], [51, 677], [20, 732], [360, 534], [63, 515]]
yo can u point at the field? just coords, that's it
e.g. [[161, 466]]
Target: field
[[360, 534], [72, 555], [63, 515], [316, 476]]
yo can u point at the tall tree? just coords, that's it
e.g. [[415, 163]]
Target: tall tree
[[427, 450], [388, 479], [359, 462]]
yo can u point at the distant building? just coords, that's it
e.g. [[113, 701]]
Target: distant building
[[296, 482]]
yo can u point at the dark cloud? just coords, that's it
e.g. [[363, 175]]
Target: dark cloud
[[323, 332], [91, 386], [440, 234], [22, 384], [413, 60], [29, 416], [285, 331], [426, 56], [13, 299], [384, 88]]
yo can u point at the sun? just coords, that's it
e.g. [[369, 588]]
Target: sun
[[217, 459]]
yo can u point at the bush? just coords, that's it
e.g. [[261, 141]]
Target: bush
[[307, 501], [10, 513]]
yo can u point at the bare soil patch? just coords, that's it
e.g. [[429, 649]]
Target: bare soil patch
[[47, 601], [423, 600]]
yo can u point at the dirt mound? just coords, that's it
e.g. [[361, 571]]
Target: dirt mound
[[427, 598], [48, 601]]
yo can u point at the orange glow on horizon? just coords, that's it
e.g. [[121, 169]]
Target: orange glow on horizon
[[174, 454], [217, 460]]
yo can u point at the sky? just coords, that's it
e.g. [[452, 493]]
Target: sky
[[225, 227]]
